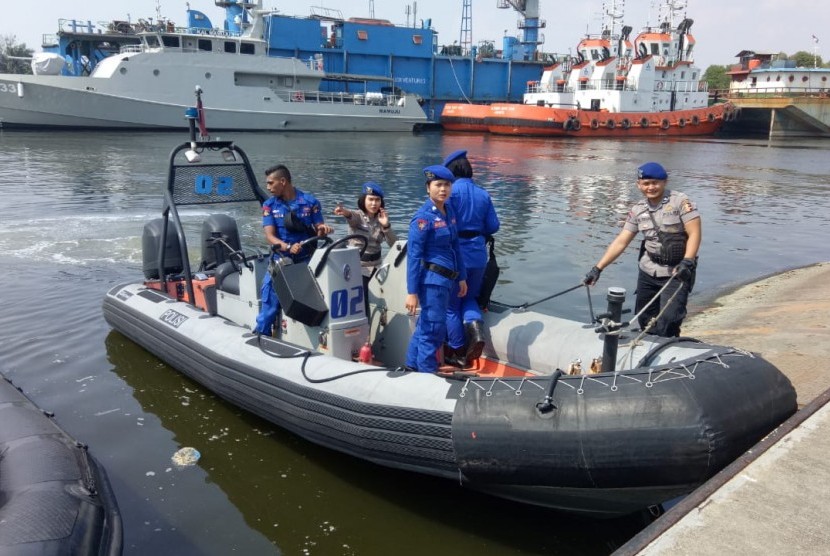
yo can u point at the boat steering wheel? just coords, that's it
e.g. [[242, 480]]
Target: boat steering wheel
[[340, 242]]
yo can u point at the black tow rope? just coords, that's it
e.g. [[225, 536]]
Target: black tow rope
[[530, 304]]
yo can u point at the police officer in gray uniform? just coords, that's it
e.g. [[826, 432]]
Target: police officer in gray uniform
[[671, 229]]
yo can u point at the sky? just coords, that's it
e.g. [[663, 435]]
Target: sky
[[722, 27]]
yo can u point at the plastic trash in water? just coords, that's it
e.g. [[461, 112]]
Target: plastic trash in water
[[186, 457]]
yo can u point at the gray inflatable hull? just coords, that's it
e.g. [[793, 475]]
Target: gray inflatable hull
[[603, 444]]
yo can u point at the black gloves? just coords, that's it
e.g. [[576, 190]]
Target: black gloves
[[685, 269], [592, 276]]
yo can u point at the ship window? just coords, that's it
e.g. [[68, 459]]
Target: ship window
[[205, 44], [230, 47], [804, 78], [694, 75], [778, 78], [682, 75], [287, 81], [417, 39], [152, 41], [655, 49], [362, 34], [594, 54], [208, 75], [172, 42], [791, 78], [155, 72], [246, 48]]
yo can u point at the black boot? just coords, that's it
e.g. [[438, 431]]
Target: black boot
[[475, 340], [453, 356]]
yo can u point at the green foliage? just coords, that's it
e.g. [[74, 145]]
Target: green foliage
[[11, 53], [804, 59], [716, 77]]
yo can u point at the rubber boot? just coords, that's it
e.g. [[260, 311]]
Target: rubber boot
[[453, 356], [475, 341]]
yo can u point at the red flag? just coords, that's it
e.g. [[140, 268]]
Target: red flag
[[201, 111]]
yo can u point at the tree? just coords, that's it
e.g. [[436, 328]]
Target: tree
[[716, 77], [14, 56], [804, 59]]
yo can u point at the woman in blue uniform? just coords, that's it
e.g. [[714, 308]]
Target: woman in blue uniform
[[434, 264], [476, 219]]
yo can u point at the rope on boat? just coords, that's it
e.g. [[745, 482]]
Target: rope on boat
[[525, 305], [306, 354]]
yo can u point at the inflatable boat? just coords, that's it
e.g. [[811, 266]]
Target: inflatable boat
[[652, 420], [55, 499]]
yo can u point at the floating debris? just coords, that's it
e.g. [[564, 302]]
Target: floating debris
[[186, 456]]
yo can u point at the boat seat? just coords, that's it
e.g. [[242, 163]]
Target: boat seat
[[227, 278]]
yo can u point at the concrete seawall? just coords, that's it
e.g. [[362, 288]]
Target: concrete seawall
[[771, 500]]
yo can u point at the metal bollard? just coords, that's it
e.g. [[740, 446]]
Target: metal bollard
[[616, 298]]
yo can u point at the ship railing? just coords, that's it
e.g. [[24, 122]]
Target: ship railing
[[788, 91], [80, 26], [332, 97], [131, 48]]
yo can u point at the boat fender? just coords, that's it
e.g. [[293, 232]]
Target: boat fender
[[695, 120], [610, 124], [626, 123], [644, 122], [576, 125], [681, 122], [710, 117], [664, 123], [595, 124], [546, 405]]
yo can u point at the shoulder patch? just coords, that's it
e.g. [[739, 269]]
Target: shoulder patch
[[686, 206], [422, 224]]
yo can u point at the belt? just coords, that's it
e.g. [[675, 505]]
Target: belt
[[441, 270], [370, 258], [469, 234]]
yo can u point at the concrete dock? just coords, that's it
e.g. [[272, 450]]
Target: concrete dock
[[771, 500]]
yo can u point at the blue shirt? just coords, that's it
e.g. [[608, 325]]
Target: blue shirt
[[433, 238], [307, 213], [474, 212]]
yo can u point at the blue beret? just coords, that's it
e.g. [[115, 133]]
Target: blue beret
[[454, 156], [437, 172], [651, 171], [371, 188]]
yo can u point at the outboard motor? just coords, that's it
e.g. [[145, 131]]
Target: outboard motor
[[151, 245], [218, 226]]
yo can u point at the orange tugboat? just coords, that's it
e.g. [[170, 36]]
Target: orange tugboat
[[613, 87]]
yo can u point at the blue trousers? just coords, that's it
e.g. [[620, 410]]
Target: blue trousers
[[431, 329], [269, 309], [463, 309]]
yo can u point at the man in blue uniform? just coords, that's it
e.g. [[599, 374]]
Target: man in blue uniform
[[671, 229], [289, 217], [475, 218], [434, 266]]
